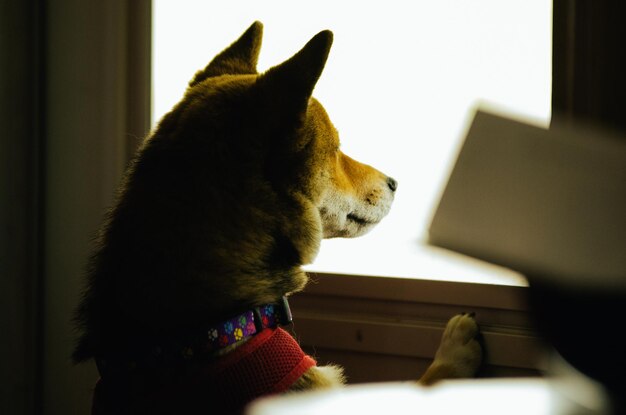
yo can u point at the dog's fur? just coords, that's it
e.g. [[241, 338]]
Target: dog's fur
[[225, 201]]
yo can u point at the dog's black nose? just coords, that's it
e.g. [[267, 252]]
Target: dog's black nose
[[393, 185]]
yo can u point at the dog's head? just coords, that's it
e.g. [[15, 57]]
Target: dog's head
[[350, 197], [269, 126], [260, 163], [232, 193]]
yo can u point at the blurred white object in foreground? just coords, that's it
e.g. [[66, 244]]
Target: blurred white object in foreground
[[509, 396]]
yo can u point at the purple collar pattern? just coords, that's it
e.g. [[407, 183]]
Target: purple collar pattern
[[248, 324]]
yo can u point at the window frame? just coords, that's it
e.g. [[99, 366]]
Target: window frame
[[339, 304], [124, 28], [588, 62]]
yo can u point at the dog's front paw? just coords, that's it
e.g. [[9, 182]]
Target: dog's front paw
[[459, 354]]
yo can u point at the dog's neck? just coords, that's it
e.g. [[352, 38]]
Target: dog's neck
[[247, 324], [216, 340]]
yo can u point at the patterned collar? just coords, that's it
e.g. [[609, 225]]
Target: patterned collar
[[248, 324], [199, 345]]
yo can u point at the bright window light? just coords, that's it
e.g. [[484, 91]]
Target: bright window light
[[402, 80]]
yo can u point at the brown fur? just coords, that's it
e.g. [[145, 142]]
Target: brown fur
[[225, 201]]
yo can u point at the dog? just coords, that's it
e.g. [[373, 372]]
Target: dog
[[224, 202]]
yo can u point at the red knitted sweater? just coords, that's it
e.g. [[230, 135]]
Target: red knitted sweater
[[268, 363]]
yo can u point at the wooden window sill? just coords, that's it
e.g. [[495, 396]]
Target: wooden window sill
[[387, 326]]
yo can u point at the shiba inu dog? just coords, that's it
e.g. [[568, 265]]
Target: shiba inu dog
[[228, 197]]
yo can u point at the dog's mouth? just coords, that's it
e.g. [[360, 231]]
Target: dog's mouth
[[359, 220]]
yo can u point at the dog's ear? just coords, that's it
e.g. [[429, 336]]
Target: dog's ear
[[238, 59], [287, 88]]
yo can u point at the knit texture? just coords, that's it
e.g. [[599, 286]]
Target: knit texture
[[269, 363]]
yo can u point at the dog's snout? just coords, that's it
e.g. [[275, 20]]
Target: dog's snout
[[392, 183]]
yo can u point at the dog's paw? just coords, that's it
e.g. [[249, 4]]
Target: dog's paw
[[320, 377], [459, 354]]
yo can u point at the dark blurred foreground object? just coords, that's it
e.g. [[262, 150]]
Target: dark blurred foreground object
[[550, 203]]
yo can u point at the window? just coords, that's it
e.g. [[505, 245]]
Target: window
[[400, 85]]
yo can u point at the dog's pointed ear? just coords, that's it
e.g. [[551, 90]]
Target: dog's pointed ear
[[239, 58], [288, 87]]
